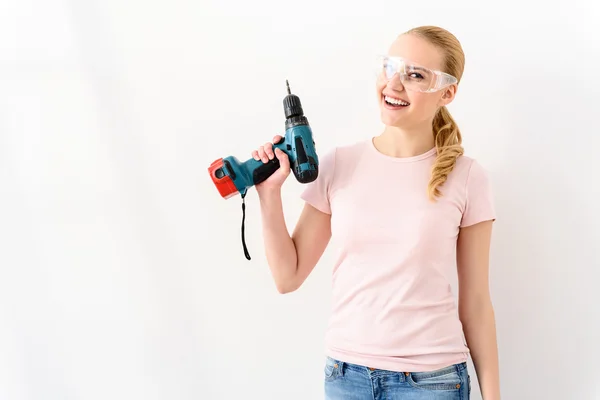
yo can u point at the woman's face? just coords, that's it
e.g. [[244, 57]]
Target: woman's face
[[411, 108]]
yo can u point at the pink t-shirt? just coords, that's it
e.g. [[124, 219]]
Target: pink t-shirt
[[392, 303]]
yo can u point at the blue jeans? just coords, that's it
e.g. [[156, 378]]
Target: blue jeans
[[346, 381]]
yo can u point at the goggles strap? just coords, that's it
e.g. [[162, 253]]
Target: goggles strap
[[438, 80]]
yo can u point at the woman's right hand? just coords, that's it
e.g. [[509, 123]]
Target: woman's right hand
[[265, 153]]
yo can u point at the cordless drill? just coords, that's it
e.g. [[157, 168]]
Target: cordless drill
[[231, 176]]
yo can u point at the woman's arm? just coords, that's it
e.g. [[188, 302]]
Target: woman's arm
[[475, 305], [292, 258]]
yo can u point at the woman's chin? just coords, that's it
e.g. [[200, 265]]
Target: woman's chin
[[392, 119]]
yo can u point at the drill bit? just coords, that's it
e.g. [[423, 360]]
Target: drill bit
[[288, 86]]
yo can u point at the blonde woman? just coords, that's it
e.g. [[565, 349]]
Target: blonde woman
[[408, 212]]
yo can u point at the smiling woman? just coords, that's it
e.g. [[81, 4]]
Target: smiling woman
[[395, 330], [425, 66]]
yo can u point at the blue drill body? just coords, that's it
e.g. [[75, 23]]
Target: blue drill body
[[299, 146], [297, 143]]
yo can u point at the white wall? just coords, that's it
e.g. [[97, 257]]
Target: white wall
[[121, 270]]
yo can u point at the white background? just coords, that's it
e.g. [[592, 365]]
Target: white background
[[121, 270]]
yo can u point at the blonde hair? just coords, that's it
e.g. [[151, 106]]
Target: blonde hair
[[447, 136]]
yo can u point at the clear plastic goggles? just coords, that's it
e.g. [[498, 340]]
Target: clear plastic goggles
[[414, 77]]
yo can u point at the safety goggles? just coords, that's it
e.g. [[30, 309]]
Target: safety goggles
[[414, 77]]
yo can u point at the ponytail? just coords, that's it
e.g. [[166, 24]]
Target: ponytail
[[448, 142]]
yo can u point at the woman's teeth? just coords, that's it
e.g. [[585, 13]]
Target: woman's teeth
[[395, 102]]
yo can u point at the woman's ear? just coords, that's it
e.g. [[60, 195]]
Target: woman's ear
[[448, 95]]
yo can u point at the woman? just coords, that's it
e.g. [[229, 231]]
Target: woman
[[408, 211]]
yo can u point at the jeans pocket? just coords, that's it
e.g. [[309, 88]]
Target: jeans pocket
[[332, 368], [443, 379]]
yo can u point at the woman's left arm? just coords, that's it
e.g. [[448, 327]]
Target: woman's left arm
[[475, 305]]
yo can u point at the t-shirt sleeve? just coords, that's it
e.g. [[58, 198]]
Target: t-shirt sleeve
[[479, 205], [317, 193]]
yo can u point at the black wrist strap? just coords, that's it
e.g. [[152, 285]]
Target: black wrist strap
[[243, 225]]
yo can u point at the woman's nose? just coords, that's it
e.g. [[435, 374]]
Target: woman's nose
[[395, 82]]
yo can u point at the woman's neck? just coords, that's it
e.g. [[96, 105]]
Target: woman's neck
[[397, 142]]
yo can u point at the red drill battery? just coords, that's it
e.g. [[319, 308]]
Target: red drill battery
[[221, 179]]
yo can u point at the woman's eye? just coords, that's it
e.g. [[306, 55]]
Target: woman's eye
[[416, 75]]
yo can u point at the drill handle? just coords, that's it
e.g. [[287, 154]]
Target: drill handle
[[262, 171], [259, 171]]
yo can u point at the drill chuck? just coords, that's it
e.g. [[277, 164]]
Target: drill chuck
[[292, 107]]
